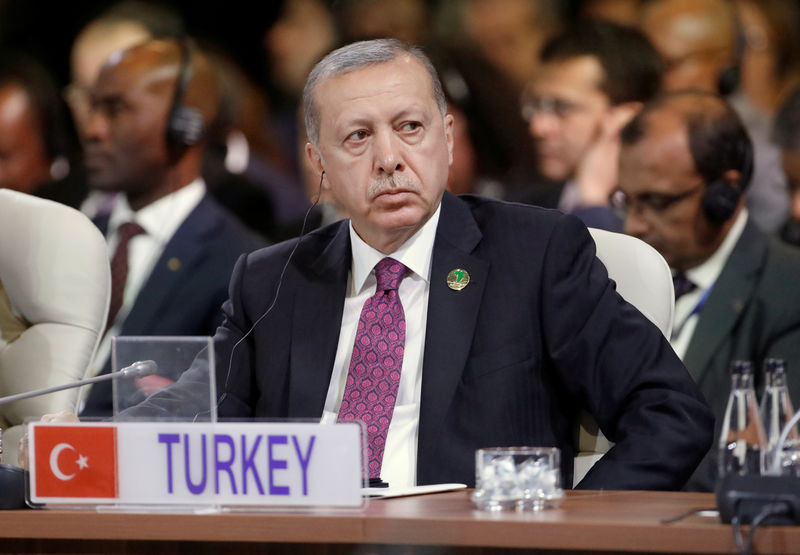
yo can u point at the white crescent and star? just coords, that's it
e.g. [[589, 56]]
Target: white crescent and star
[[82, 461]]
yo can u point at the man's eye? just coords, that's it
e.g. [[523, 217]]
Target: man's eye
[[657, 203], [110, 108], [410, 126], [359, 135], [562, 108]]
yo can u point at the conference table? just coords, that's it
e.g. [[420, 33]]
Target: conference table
[[586, 521]]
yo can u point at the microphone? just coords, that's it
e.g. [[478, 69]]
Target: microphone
[[12, 478], [138, 369]]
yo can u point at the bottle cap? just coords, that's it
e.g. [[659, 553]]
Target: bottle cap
[[741, 367], [775, 366]]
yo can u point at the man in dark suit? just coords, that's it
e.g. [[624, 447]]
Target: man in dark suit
[[509, 324], [145, 138], [685, 164]]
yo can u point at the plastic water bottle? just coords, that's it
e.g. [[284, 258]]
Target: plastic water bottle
[[742, 442], [776, 411]]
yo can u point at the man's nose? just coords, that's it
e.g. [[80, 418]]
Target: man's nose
[[635, 224], [542, 123], [96, 126], [388, 152]]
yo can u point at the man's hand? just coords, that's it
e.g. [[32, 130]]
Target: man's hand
[[63, 417], [597, 172]]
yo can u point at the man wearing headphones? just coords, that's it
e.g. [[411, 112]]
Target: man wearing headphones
[[702, 44], [172, 246], [686, 160]]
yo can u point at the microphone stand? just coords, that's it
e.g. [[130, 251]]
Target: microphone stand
[[136, 370]]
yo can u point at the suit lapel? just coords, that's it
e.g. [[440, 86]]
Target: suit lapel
[[188, 244], [316, 322], [452, 316], [728, 299]]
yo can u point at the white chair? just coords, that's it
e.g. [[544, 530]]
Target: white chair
[[643, 279], [55, 285]]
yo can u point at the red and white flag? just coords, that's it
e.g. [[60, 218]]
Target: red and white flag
[[76, 461]]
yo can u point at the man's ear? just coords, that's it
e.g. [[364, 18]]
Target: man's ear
[[315, 161], [448, 135], [733, 178]]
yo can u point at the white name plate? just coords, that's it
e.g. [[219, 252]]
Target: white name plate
[[160, 463]]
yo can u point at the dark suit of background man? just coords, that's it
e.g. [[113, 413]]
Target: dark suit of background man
[[685, 164], [135, 143], [508, 360]]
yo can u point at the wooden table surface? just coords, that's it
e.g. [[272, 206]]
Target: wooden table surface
[[611, 521]]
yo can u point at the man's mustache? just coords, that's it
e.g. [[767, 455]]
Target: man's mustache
[[390, 183]]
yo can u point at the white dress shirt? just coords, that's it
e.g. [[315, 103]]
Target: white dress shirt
[[399, 466], [689, 306], [160, 220]]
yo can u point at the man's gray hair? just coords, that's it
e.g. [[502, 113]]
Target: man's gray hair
[[359, 55]]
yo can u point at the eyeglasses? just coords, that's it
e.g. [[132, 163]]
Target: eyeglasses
[[530, 104], [653, 203]]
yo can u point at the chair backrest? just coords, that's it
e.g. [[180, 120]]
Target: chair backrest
[[55, 285], [642, 275], [643, 279]]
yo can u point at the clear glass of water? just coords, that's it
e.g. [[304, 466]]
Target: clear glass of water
[[517, 478]]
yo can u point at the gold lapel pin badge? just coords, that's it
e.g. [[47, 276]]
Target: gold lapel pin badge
[[457, 279]]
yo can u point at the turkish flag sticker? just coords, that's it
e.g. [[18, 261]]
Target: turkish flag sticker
[[76, 461]]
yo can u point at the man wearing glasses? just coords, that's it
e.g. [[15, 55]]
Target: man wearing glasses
[[593, 79], [685, 163]]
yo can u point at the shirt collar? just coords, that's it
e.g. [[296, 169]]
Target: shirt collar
[[161, 218], [704, 275], [415, 254]]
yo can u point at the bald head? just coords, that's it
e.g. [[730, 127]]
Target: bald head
[[718, 140], [126, 137], [696, 38]]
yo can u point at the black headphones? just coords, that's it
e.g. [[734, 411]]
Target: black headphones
[[185, 125], [720, 200]]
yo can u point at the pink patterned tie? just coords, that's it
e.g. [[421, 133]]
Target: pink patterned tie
[[374, 375]]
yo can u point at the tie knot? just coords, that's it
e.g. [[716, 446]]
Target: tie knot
[[389, 273], [128, 230], [682, 285]]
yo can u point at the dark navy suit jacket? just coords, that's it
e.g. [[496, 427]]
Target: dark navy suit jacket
[[538, 333], [188, 284]]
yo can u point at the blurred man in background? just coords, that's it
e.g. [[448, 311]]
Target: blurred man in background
[[35, 143], [173, 246], [592, 79], [685, 164], [705, 47]]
